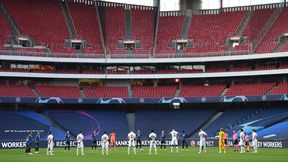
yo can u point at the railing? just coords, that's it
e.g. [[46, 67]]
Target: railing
[[120, 56]]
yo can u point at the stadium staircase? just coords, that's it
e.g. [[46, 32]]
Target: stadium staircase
[[280, 45], [128, 24], [35, 92], [244, 23], [241, 28], [266, 28], [177, 93], [130, 95], [10, 21], [186, 25], [68, 18], [82, 93], [131, 121]]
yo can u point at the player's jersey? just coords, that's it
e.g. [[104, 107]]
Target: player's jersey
[[139, 136], [67, 137], [163, 136], [202, 135], [94, 137], [226, 136], [112, 136], [80, 137], [50, 139], [184, 136], [29, 140], [37, 138], [131, 136], [247, 138], [174, 134], [235, 136], [242, 136], [254, 136], [221, 136], [152, 136], [104, 138]]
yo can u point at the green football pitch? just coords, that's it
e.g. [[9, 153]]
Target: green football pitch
[[120, 155]]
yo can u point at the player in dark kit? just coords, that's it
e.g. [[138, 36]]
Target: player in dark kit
[[94, 140], [37, 142], [138, 140], [28, 143], [163, 140], [184, 140], [67, 140]]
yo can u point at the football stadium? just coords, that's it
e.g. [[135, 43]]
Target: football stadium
[[143, 80]]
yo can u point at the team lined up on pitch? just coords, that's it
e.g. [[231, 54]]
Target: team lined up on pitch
[[135, 141]]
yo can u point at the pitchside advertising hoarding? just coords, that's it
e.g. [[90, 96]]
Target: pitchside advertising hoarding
[[193, 142]]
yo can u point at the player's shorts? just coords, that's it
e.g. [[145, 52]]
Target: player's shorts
[[255, 143], [163, 141], [106, 144], [225, 141], [241, 143], [131, 143], [94, 142], [113, 141], [247, 143], [67, 142], [202, 142], [236, 142], [152, 143], [50, 145], [80, 145], [174, 142]]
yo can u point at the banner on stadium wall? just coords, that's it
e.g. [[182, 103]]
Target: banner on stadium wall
[[225, 99], [192, 142]]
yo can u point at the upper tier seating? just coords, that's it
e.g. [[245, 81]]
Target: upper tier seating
[[142, 28], [209, 32], [4, 32], [153, 92], [114, 25], [87, 26], [270, 40], [58, 91], [43, 20], [257, 21]]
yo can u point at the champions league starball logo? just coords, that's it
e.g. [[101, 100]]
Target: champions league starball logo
[[234, 99], [111, 101], [49, 100], [284, 97], [173, 100]]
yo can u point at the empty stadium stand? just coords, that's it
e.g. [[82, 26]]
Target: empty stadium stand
[[58, 91], [153, 92], [50, 31], [201, 90], [13, 90], [249, 89], [106, 92]]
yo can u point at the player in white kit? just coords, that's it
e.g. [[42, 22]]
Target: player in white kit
[[152, 137], [254, 141], [50, 140], [105, 143], [242, 141], [202, 135], [80, 145], [131, 142], [174, 140]]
